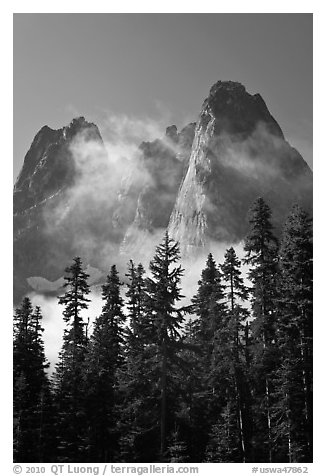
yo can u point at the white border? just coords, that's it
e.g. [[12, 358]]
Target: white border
[[6, 117]]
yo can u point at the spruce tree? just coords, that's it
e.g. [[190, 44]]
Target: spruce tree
[[261, 247], [293, 413], [163, 288], [234, 349], [193, 410], [229, 422], [32, 398], [69, 375], [105, 358], [209, 306], [137, 408], [261, 255], [136, 298], [223, 445]]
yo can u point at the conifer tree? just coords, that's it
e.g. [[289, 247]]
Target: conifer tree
[[261, 247], [32, 398], [293, 410], [22, 336], [163, 288], [261, 255], [193, 410], [69, 375], [104, 359], [226, 386], [137, 409], [234, 349], [136, 295], [228, 433], [209, 306], [223, 440]]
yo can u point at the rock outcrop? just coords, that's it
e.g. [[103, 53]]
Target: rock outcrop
[[239, 153], [166, 161], [199, 182], [43, 221]]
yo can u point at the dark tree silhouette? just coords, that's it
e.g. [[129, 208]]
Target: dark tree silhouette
[[163, 288], [261, 247], [104, 359], [293, 407], [69, 375], [32, 398]]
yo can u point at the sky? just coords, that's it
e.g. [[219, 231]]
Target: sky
[[157, 65]]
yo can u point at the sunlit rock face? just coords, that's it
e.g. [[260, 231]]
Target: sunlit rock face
[[166, 161], [239, 153], [71, 199]]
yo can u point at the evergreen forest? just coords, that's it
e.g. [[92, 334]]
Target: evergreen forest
[[225, 378]]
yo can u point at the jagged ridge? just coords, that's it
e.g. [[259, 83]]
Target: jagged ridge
[[202, 180]]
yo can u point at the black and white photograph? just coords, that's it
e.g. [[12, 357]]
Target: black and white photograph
[[163, 239]]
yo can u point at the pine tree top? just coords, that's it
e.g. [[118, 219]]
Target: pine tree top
[[260, 243], [77, 288]]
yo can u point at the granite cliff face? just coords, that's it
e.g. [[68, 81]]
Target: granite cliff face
[[48, 167], [199, 182], [71, 199], [166, 161], [239, 153], [43, 237]]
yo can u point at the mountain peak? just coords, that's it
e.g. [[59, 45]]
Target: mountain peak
[[238, 112], [48, 164], [199, 182], [81, 125], [227, 86], [78, 122], [238, 153], [79, 119]]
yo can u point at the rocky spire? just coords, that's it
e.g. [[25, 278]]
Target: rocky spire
[[238, 153]]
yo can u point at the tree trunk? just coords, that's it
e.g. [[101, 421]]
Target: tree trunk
[[270, 460], [240, 419]]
